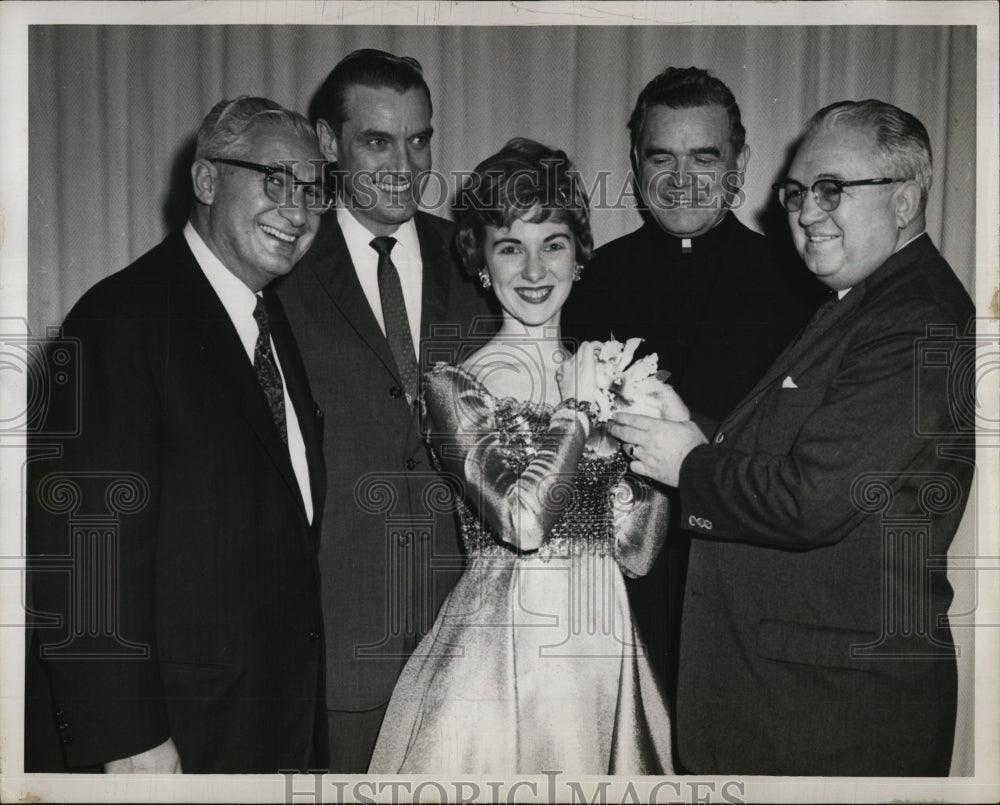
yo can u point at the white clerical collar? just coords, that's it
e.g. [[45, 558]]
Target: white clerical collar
[[238, 300], [359, 238]]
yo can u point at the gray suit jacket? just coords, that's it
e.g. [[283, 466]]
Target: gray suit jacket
[[815, 636], [389, 551]]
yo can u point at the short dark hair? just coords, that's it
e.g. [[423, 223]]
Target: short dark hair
[[523, 181], [904, 148], [686, 88], [368, 68]]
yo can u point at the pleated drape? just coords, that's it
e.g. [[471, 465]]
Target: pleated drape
[[113, 111]]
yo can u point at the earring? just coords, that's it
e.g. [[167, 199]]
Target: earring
[[578, 272], [484, 278]]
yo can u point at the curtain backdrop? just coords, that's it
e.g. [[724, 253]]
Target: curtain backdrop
[[113, 111]]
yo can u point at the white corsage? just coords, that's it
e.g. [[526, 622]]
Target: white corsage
[[638, 388]]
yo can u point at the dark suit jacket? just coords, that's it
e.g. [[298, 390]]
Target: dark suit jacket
[[390, 551], [179, 496], [814, 637]]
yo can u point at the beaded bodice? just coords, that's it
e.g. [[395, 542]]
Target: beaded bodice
[[586, 521], [530, 477]]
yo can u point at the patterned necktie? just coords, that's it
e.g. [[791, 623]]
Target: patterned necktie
[[397, 325], [267, 369]]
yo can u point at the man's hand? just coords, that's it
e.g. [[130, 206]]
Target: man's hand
[[162, 759], [657, 447], [672, 407]]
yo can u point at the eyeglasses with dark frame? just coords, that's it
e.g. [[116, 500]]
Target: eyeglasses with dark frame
[[280, 185], [827, 192]]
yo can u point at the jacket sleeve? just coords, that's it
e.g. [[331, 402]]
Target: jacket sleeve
[[520, 503], [92, 519]]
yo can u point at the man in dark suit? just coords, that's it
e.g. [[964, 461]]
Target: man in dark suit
[[815, 638], [190, 631], [376, 299], [713, 299]]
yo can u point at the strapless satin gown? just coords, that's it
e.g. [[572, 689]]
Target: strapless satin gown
[[533, 663]]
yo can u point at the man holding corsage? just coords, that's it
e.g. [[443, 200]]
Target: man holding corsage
[[815, 637]]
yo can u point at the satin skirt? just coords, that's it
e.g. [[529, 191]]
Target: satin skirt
[[532, 665]]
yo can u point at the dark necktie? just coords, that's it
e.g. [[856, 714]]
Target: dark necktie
[[267, 369], [397, 326]]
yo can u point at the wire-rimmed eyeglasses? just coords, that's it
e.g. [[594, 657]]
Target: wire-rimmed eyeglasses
[[280, 185], [827, 192]]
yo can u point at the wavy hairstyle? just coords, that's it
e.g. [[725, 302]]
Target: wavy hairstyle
[[902, 144], [225, 130], [524, 181]]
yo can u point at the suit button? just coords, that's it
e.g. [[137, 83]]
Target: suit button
[[411, 463], [314, 635], [319, 412], [60, 712], [63, 726], [66, 739], [720, 437], [395, 392]]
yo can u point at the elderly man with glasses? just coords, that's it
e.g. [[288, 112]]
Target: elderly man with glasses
[[815, 638], [184, 632]]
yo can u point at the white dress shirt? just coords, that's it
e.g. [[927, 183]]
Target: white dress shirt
[[405, 256], [239, 302]]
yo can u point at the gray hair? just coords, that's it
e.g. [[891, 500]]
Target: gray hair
[[225, 129], [904, 149]]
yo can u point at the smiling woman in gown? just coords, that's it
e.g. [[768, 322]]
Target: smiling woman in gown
[[534, 662]]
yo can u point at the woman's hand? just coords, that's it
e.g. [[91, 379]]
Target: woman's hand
[[577, 377]]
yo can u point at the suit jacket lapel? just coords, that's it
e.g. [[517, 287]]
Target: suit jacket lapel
[[829, 316], [205, 320], [336, 273], [306, 410], [826, 318], [437, 267]]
